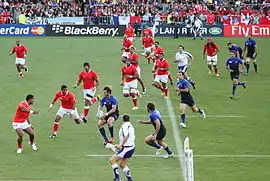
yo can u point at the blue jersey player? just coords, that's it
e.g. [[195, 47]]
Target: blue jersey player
[[235, 65], [186, 99], [112, 114], [251, 47], [160, 131], [236, 48]]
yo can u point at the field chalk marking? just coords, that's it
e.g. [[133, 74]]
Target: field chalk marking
[[194, 116]]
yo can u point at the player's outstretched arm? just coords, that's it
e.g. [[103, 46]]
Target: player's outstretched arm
[[29, 111], [144, 122]]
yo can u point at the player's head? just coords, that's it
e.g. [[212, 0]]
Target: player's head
[[30, 99], [126, 118], [161, 56], [107, 90], [150, 106], [18, 42], [86, 66], [181, 48], [209, 39], [156, 43], [229, 45], [129, 25], [132, 49], [64, 89], [249, 36], [125, 37], [128, 61], [181, 75], [146, 26], [233, 53]]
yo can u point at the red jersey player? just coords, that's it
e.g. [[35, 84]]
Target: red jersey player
[[161, 68], [134, 60], [126, 46], [147, 30], [90, 83], [68, 104], [147, 43], [21, 122], [129, 82], [129, 31], [211, 49], [21, 52]]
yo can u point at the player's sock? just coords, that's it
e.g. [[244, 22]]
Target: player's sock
[[31, 139], [154, 144], [183, 118], [126, 170], [86, 111], [111, 131], [94, 99], [247, 67], [233, 89], [20, 74], [20, 145], [103, 133], [135, 101], [216, 70], [255, 67], [148, 59], [154, 75], [168, 150], [116, 171], [200, 111], [159, 87], [170, 77], [55, 127], [166, 91]]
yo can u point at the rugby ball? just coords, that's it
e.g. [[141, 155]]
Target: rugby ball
[[100, 114]]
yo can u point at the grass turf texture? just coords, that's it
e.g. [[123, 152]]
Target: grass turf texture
[[56, 61]]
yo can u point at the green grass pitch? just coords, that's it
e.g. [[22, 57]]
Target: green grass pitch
[[56, 61]]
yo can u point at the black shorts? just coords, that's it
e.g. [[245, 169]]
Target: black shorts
[[188, 100], [115, 116], [251, 55], [234, 75], [162, 133]]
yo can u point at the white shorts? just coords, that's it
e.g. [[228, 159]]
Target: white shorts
[[212, 60], [125, 54], [23, 125], [139, 71], [72, 113], [149, 49], [130, 85], [20, 61], [90, 92], [131, 39], [161, 78]]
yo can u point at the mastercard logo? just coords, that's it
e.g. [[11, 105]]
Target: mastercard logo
[[37, 30]]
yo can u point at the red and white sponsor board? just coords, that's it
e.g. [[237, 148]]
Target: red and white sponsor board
[[244, 30]]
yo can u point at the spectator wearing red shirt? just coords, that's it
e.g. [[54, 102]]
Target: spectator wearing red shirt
[[210, 18]]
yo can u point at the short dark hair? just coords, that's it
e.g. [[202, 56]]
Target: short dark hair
[[157, 42], [151, 106], [86, 64], [126, 118], [29, 96], [229, 43], [182, 47], [108, 89], [132, 47], [182, 73], [63, 87]]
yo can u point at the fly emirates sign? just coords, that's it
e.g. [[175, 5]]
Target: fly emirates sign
[[244, 30]]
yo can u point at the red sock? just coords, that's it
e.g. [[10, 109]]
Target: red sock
[[154, 75], [19, 145], [170, 77], [31, 142], [216, 70], [93, 100], [85, 111], [149, 60], [160, 87], [20, 74], [55, 127], [135, 101], [166, 91]]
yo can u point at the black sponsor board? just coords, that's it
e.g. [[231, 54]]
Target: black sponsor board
[[207, 30], [85, 30]]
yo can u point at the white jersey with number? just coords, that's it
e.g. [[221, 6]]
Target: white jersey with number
[[182, 58], [127, 130]]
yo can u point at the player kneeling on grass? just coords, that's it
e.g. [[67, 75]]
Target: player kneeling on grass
[[186, 98], [68, 104], [160, 131], [112, 114], [127, 148], [235, 65], [21, 122]]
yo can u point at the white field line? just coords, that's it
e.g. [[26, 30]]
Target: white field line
[[176, 135], [194, 116]]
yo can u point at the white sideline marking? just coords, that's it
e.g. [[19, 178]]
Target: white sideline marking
[[196, 156], [193, 116], [176, 135]]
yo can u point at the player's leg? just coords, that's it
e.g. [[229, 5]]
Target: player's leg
[[141, 81], [113, 161], [148, 140], [255, 65], [75, 115], [215, 60], [133, 94], [156, 83], [235, 83], [182, 108], [60, 113], [126, 90], [110, 122], [19, 132], [209, 64], [89, 99], [194, 33], [170, 78], [147, 52], [193, 83], [31, 134], [164, 81], [166, 147], [247, 62], [102, 131], [195, 109], [126, 170]]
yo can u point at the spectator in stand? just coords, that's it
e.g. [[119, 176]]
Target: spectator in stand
[[22, 19], [210, 18]]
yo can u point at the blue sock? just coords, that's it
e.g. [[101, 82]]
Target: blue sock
[[183, 118], [247, 67], [190, 81], [240, 83], [116, 171], [168, 150], [103, 133], [200, 111], [111, 131], [153, 144], [233, 90], [126, 170]]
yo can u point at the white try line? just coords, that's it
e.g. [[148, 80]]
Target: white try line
[[180, 156], [193, 116]]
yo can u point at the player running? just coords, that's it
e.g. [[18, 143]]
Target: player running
[[186, 99], [21, 52], [127, 148], [129, 31], [183, 57], [235, 48], [211, 49], [160, 131], [251, 47], [134, 60], [235, 66], [68, 104], [112, 114], [148, 31], [197, 28], [161, 67], [147, 44], [126, 47], [90, 83], [21, 122], [129, 83]]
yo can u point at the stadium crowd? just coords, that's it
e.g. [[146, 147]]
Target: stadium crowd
[[173, 10]]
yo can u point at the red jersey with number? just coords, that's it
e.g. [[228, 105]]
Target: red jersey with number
[[88, 79], [157, 51], [211, 49], [147, 42], [20, 51], [134, 57], [127, 44], [162, 64], [67, 100], [21, 116], [129, 32], [147, 31], [129, 71]]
